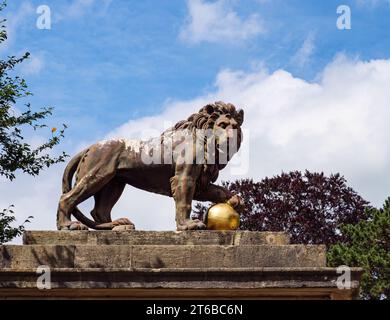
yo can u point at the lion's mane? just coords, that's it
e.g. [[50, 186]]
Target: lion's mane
[[205, 119]]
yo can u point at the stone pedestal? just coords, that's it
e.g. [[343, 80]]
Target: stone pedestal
[[146, 264]]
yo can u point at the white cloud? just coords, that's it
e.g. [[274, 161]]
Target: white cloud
[[303, 55], [338, 124], [78, 8], [217, 22], [33, 65]]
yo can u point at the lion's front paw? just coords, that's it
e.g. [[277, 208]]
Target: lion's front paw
[[236, 202], [123, 224], [191, 225], [75, 225]]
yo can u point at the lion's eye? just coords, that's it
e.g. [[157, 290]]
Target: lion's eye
[[223, 125]]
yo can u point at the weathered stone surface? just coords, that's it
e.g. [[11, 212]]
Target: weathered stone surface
[[13, 256], [285, 283], [144, 264], [228, 256], [103, 256], [159, 256], [155, 238]]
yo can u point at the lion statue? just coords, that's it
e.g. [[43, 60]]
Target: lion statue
[[158, 165]]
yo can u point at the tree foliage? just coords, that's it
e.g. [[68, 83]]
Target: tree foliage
[[7, 232], [369, 248], [15, 153], [310, 207]]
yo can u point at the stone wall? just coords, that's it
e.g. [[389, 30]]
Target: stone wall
[[192, 264]]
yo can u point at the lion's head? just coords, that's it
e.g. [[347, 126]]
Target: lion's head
[[224, 122]]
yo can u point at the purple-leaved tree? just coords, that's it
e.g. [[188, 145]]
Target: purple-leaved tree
[[310, 207]]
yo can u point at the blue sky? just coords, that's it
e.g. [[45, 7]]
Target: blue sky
[[315, 97], [117, 60]]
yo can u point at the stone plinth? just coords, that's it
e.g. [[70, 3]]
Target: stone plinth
[[155, 238], [145, 264]]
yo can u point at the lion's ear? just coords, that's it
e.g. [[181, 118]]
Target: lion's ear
[[240, 118]]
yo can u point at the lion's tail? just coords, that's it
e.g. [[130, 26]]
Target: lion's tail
[[67, 186], [70, 170]]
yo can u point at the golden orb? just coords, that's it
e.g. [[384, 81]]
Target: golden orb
[[222, 216]]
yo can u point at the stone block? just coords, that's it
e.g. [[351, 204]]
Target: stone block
[[19, 257], [160, 256], [154, 238]]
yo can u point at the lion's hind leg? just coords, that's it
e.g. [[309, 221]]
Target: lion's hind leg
[[105, 200], [85, 187]]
